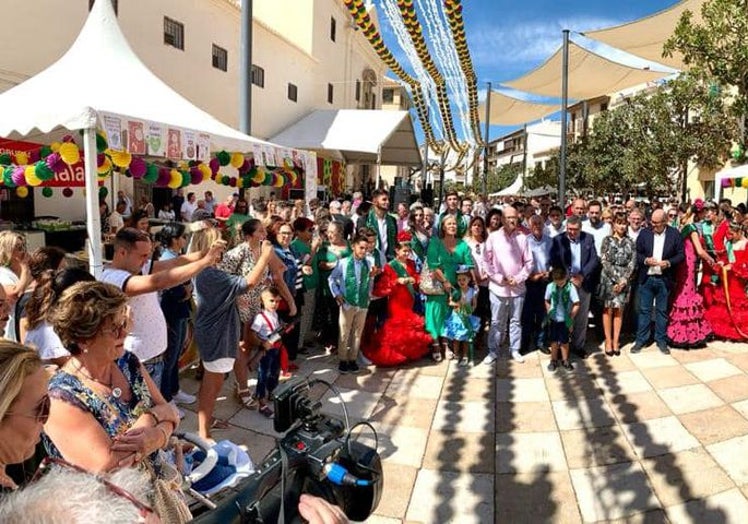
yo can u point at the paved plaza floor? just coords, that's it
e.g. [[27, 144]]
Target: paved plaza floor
[[635, 438]]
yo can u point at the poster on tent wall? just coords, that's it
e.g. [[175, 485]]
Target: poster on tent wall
[[308, 159], [136, 137], [155, 138], [113, 128], [203, 147], [72, 176]]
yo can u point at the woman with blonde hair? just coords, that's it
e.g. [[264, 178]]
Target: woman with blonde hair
[[217, 323], [106, 412], [15, 276], [24, 407]]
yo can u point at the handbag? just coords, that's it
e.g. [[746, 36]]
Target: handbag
[[167, 498], [429, 284]]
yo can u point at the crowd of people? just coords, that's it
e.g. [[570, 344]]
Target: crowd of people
[[261, 282]]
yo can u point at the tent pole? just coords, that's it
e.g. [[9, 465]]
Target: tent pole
[[93, 220], [564, 118], [245, 69], [485, 150]]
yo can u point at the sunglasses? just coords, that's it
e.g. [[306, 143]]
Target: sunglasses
[[144, 509], [672, 215], [40, 414]]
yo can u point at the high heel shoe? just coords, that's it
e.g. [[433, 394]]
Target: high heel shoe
[[616, 350], [609, 351]]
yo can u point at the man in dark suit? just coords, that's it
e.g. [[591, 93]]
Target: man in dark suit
[[575, 250], [658, 251]]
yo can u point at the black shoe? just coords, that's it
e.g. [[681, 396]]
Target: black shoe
[[552, 365], [636, 349], [663, 349], [582, 354], [544, 351], [568, 366], [353, 367], [343, 367]]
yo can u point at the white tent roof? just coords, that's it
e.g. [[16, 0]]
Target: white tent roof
[[359, 136], [590, 75], [508, 111], [733, 172], [101, 74], [646, 36], [513, 189]]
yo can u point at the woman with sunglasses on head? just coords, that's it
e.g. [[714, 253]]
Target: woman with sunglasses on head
[[24, 406], [15, 275], [106, 411], [37, 331]]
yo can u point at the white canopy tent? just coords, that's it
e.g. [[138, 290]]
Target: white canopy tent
[[358, 136], [726, 174], [70, 96]]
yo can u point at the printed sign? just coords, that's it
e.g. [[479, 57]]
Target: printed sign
[[155, 140], [174, 147], [113, 128], [135, 137]]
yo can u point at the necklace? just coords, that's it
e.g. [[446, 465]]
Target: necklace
[[116, 392]]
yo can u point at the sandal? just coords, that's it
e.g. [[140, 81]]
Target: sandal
[[266, 411], [219, 424], [245, 398]]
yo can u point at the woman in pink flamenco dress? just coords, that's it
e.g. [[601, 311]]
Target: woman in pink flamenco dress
[[687, 327]]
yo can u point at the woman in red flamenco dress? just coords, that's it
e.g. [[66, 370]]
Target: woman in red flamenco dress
[[402, 337], [728, 312]]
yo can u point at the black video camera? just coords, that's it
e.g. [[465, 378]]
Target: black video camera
[[315, 456]]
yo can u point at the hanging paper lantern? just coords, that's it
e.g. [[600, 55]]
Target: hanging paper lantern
[[196, 176], [240, 183], [67, 192], [55, 163], [55, 147], [232, 181], [214, 165], [8, 177], [101, 143], [175, 179], [259, 176], [5, 159], [70, 153], [22, 158], [279, 181], [47, 192], [246, 166], [121, 158], [19, 176], [237, 160], [22, 191], [267, 179], [105, 168], [138, 167], [225, 180], [205, 171], [103, 192], [163, 177], [725, 182], [151, 174], [223, 158], [42, 171], [744, 184], [186, 178], [737, 183]]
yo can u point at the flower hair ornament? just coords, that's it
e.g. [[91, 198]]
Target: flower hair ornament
[[698, 205], [404, 236]]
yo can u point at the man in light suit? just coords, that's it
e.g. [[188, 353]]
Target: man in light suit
[[658, 251], [575, 251]]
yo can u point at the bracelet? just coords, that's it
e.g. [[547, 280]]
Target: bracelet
[[164, 433]]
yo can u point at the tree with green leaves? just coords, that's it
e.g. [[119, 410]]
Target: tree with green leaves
[[498, 179], [715, 51]]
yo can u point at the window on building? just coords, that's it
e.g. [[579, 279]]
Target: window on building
[[388, 96], [373, 101], [333, 25], [173, 33], [220, 58], [603, 107], [293, 92], [258, 76], [358, 90], [115, 5], [329, 93]]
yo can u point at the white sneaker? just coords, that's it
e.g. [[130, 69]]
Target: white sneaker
[[490, 359], [518, 357], [184, 398], [362, 361]]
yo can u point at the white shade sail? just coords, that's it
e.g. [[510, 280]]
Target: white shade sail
[[646, 36], [590, 75], [360, 136], [509, 111]]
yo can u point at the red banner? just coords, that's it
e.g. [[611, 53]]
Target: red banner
[[73, 176]]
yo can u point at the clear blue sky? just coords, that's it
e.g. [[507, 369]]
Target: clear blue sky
[[508, 38]]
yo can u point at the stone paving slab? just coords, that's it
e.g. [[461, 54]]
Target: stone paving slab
[[634, 438]]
